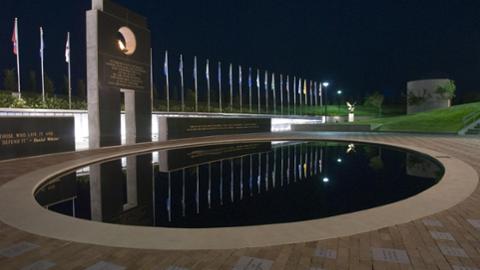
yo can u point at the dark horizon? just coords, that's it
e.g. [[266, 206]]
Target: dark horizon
[[360, 47]]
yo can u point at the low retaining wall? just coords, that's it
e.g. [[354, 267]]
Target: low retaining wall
[[330, 127]]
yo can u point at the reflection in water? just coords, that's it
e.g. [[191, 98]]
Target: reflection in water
[[264, 183]]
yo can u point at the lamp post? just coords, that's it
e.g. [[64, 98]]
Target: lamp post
[[325, 85]]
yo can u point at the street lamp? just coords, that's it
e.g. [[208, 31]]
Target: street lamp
[[325, 85], [339, 93]]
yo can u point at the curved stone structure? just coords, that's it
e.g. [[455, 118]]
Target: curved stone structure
[[428, 90]]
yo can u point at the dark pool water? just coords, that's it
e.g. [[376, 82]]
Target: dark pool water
[[241, 184]]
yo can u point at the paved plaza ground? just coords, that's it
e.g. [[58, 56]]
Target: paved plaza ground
[[447, 240]]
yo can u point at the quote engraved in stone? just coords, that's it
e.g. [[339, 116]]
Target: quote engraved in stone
[[442, 235], [453, 251], [390, 255], [474, 222], [101, 265], [325, 253], [39, 265], [251, 263], [174, 267], [432, 223], [124, 75], [17, 249], [457, 267]]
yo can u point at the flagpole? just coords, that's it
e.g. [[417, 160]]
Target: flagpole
[[274, 94], [258, 91], [70, 74], [167, 84], [299, 90], [18, 57], [294, 95], [220, 85], [250, 88], [151, 76], [240, 94], [230, 74], [195, 82], [182, 83], [41, 64], [281, 93], [266, 90], [207, 73], [288, 94]]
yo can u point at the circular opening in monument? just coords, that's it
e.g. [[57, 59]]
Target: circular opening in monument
[[241, 184], [126, 41]]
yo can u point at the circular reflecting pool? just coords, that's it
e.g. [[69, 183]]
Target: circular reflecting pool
[[240, 184]]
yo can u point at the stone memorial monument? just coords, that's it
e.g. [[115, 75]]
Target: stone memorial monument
[[118, 64], [118, 61]]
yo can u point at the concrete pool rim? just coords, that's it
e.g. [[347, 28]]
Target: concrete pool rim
[[19, 208]]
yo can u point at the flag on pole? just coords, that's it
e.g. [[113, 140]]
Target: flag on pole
[[266, 81], [240, 75], [15, 38], [195, 68], [230, 74], [42, 45], [180, 66], [250, 77], [288, 84], [165, 65], [207, 70], [219, 73], [67, 49], [258, 79], [305, 87], [273, 81], [299, 88]]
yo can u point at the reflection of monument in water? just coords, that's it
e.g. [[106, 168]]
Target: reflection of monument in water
[[228, 176]]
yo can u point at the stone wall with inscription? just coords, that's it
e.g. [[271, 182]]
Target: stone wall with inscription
[[170, 128], [30, 136]]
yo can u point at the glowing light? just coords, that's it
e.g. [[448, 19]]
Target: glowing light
[[122, 46], [325, 84], [325, 180], [339, 92], [339, 160]]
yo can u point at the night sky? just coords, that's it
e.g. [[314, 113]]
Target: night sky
[[360, 46]]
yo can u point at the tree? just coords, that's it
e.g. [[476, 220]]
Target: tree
[[32, 81], [375, 100], [9, 80], [447, 90], [65, 85], [49, 86], [81, 89]]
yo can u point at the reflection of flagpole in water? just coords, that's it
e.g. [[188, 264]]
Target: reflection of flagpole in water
[[288, 165], [183, 192], [241, 178], [153, 197], [221, 182], [274, 167], [259, 178], [295, 163], [305, 159], [316, 160], [300, 163], [197, 195], [267, 167], [311, 160], [209, 185], [169, 200], [320, 163], [282, 174], [231, 180], [250, 179]]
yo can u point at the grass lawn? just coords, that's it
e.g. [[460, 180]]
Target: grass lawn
[[448, 120]]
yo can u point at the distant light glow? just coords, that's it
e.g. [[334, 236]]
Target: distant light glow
[[339, 92], [325, 84], [325, 180], [339, 160]]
